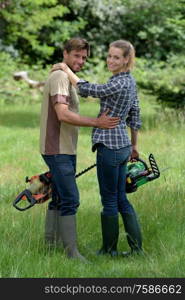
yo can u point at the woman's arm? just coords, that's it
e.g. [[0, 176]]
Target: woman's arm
[[134, 137], [74, 79], [91, 89]]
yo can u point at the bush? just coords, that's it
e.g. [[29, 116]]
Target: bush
[[163, 79]]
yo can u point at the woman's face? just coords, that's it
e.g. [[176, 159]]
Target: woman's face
[[115, 60]]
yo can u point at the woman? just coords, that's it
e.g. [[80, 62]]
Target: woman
[[114, 147]]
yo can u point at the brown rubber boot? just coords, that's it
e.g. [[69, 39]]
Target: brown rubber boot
[[51, 224]]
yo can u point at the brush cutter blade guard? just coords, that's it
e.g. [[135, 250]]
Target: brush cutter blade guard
[[155, 170], [138, 173]]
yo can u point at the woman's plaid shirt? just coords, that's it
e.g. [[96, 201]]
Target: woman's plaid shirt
[[119, 94]]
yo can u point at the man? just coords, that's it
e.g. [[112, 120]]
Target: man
[[58, 143]]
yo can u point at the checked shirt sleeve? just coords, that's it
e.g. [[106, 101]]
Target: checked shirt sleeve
[[133, 120], [86, 89]]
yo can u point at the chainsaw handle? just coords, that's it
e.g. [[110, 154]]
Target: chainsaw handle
[[143, 162], [26, 193]]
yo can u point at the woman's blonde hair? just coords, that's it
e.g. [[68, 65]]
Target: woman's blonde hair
[[128, 51]]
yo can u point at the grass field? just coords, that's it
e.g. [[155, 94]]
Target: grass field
[[160, 204]]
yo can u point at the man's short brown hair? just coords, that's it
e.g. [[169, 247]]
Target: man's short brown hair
[[77, 43]]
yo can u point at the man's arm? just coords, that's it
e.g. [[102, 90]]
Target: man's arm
[[104, 121]]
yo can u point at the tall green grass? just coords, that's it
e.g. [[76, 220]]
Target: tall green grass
[[160, 204]]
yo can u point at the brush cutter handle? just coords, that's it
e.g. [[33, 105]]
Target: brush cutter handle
[[25, 195]]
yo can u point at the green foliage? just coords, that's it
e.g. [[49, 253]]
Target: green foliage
[[35, 28], [154, 27], [164, 80], [155, 35]]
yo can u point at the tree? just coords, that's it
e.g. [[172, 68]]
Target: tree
[[32, 29], [36, 29], [151, 25]]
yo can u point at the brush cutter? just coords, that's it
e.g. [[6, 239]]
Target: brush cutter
[[39, 191]]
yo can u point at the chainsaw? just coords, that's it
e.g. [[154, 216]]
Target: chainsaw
[[138, 173]]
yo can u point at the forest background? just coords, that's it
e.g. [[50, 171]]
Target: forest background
[[32, 34]]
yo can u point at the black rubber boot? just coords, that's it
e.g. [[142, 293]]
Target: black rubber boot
[[67, 225], [133, 232], [110, 234]]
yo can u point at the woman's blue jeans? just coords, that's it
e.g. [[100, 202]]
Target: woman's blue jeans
[[65, 195], [111, 173]]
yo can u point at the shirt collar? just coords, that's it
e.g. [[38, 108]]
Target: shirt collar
[[120, 74]]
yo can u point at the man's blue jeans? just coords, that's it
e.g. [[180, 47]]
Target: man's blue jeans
[[65, 195], [111, 172]]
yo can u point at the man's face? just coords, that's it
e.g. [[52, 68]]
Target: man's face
[[75, 59]]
